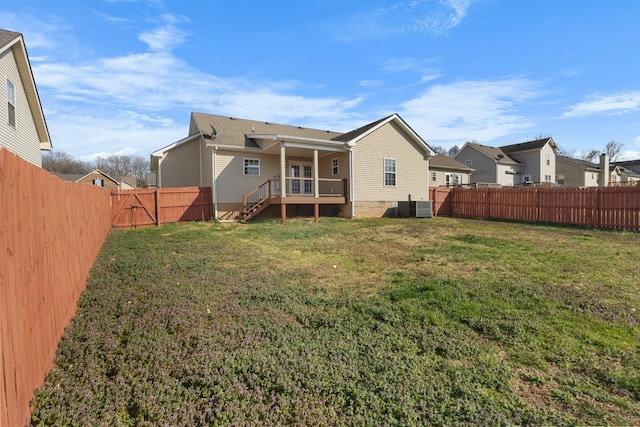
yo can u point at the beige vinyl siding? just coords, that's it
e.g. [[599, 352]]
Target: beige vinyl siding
[[22, 139], [325, 165], [441, 180], [508, 175], [389, 141], [181, 166], [232, 184]]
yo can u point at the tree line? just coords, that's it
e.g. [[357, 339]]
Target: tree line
[[117, 167]]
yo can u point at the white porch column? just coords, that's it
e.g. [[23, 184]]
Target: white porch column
[[214, 182], [315, 173], [283, 171]]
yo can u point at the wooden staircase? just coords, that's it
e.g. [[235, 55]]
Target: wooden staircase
[[256, 201]]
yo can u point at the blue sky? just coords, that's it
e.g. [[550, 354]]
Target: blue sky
[[123, 76]]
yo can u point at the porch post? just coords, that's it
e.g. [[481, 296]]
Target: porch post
[[283, 183], [283, 171], [316, 212], [315, 176]]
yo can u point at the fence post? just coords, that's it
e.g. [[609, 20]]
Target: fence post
[[156, 198]]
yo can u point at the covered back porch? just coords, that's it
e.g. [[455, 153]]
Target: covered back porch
[[311, 173]]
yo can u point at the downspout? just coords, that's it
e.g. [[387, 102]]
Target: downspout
[[214, 182], [200, 156], [351, 183], [159, 178]]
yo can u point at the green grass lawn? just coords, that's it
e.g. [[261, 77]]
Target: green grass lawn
[[362, 322]]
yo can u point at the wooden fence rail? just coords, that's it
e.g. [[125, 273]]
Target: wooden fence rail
[[51, 231], [609, 207], [149, 207]]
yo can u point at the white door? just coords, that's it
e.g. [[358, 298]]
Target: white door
[[300, 186]]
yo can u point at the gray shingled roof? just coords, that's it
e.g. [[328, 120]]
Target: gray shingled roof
[[495, 153], [231, 131], [525, 146], [7, 36], [445, 162], [584, 164]]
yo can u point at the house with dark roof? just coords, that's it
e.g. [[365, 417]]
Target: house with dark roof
[[577, 173], [531, 162], [95, 177], [445, 171], [23, 129], [256, 167]]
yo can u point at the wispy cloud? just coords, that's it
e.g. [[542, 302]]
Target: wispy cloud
[[167, 36], [384, 20], [465, 110], [618, 103]]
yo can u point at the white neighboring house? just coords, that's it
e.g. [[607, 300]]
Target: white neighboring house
[[447, 172], [23, 129]]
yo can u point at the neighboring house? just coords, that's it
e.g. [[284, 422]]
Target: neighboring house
[[128, 182], [577, 173], [632, 165], [538, 160], [23, 129], [628, 172], [252, 165], [95, 177], [531, 162], [445, 171], [490, 164]]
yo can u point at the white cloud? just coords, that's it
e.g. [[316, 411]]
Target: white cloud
[[465, 110], [618, 103], [167, 36], [93, 134], [382, 19]]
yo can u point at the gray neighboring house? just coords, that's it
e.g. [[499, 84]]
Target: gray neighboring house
[[531, 162], [577, 173], [23, 129], [445, 171], [491, 165], [630, 170]]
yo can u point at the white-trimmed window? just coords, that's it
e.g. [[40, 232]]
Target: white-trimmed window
[[447, 179], [548, 159], [547, 178], [11, 103], [99, 182], [390, 170], [434, 176], [527, 178], [251, 167], [335, 166], [468, 163]]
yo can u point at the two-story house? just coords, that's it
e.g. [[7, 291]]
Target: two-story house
[[531, 162], [23, 129]]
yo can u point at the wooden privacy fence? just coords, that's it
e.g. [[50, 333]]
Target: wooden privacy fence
[[145, 208], [609, 207], [51, 231]]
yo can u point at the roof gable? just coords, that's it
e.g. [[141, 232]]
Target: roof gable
[[579, 163], [14, 41], [356, 135]]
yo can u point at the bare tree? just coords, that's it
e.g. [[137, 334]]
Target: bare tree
[[565, 153], [590, 155], [439, 149], [613, 148], [119, 167], [62, 163], [453, 151]]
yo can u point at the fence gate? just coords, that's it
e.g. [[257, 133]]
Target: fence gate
[[134, 209]]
